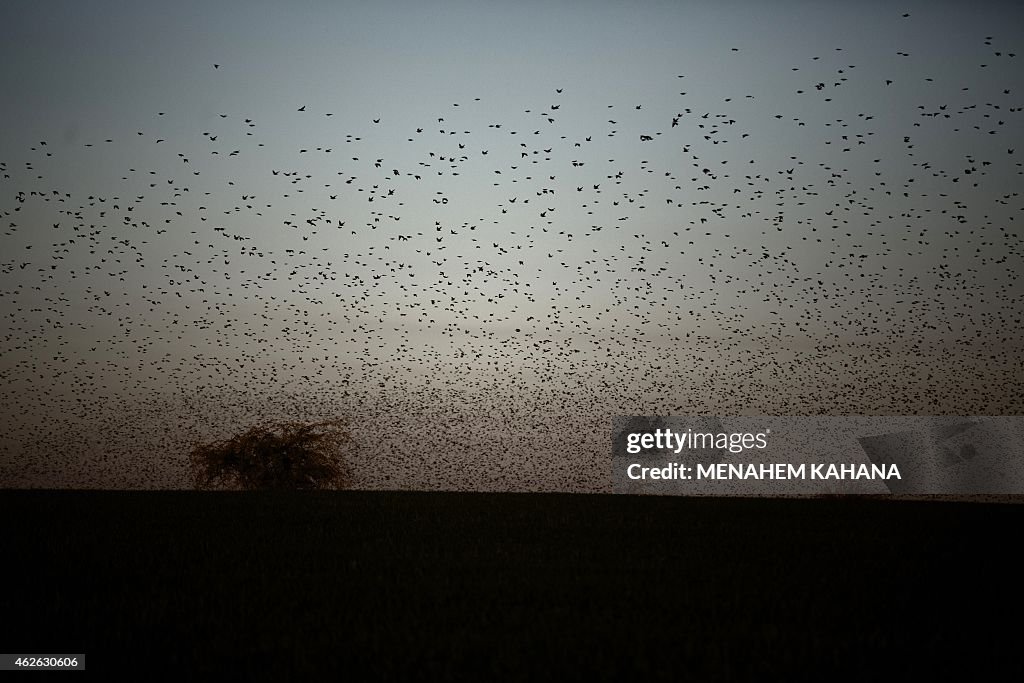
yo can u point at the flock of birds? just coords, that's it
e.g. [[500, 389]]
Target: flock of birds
[[482, 291]]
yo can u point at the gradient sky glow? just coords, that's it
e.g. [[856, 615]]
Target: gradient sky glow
[[808, 239]]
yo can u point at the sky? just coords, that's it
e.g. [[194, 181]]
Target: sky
[[479, 231]]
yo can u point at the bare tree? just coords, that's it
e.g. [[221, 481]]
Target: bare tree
[[276, 455]]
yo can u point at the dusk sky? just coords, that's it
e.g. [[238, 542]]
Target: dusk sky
[[479, 231]]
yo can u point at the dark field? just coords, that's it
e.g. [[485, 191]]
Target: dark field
[[455, 585]]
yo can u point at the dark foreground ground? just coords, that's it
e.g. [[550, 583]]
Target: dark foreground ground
[[482, 586]]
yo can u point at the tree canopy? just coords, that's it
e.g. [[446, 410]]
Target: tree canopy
[[276, 455]]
